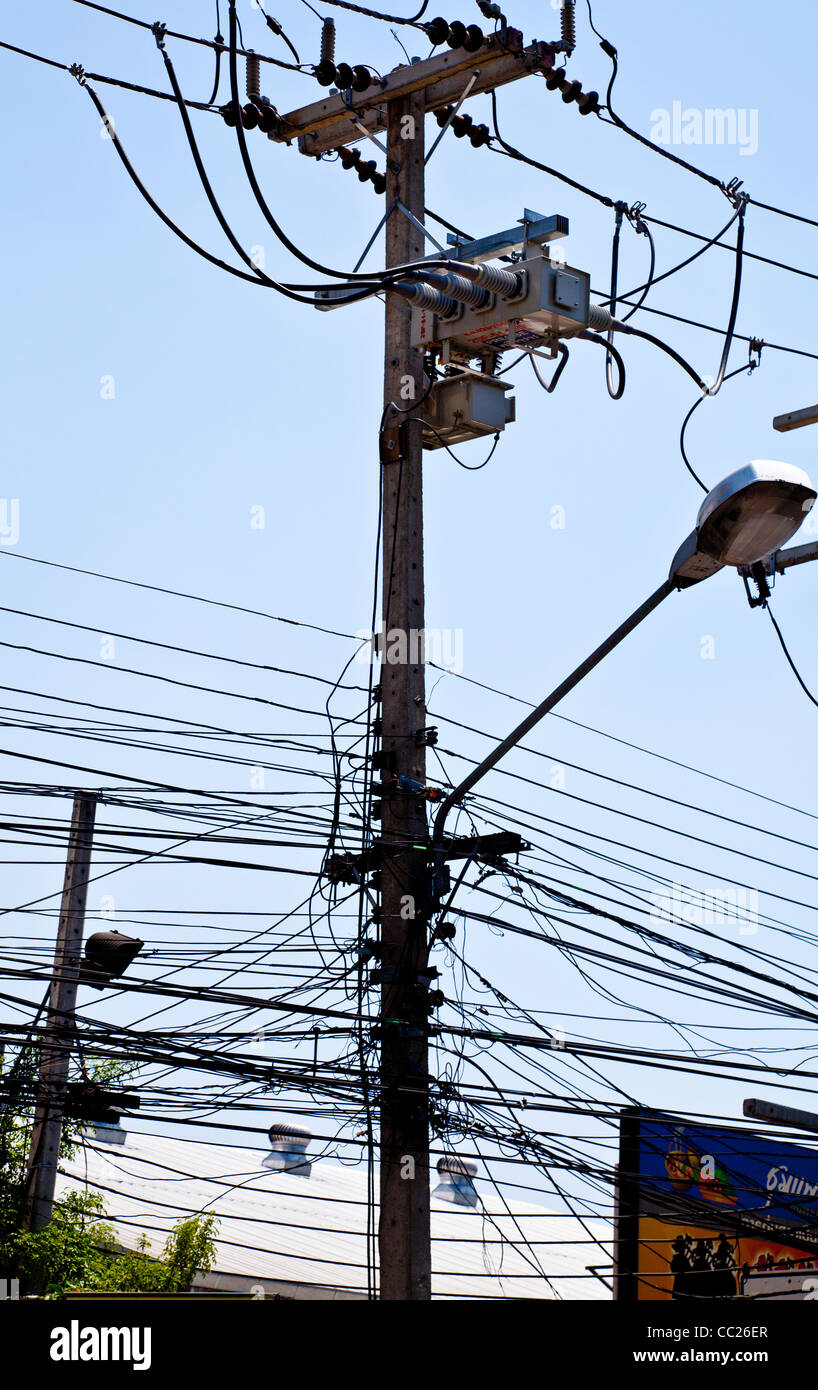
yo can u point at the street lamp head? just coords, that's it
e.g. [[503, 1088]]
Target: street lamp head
[[753, 512], [744, 518]]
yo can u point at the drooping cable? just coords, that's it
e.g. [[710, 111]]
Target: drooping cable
[[219, 42], [205, 181], [612, 355], [551, 385], [259, 196], [748, 367], [786, 652]]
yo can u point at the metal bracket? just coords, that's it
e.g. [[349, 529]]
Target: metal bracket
[[453, 113], [420, 227], [532, 229], [371, 241], [757, 573], [393, 442], [369, 135]]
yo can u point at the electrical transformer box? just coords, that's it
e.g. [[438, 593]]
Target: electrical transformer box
[[465, 406], [556, 304]]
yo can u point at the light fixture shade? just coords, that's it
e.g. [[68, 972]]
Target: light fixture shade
[[753, 512], [107, 954]]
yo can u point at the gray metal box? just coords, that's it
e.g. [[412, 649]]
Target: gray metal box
[[556, 305], [464, 407]]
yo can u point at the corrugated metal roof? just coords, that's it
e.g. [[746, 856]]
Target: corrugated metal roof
[[311, 1231]]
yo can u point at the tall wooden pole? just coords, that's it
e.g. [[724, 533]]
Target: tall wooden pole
[[57, 1039], [404, 1233], [406, 95]]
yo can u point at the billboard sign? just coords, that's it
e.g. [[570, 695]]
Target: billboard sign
[[706, 1212]]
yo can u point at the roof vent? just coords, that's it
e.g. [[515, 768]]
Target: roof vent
[[105, 1132], [457, 1182], [289, 1150]]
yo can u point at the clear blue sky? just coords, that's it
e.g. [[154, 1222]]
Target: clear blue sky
[[228, 398]]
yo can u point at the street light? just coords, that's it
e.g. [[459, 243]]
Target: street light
[[753, 512], [781, 1115], [742, 521]]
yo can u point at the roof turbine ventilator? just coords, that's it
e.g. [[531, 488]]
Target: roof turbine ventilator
[[457, 1182], [288, 1150]]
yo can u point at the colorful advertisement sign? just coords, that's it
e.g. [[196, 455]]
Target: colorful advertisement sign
[[705, 1212]]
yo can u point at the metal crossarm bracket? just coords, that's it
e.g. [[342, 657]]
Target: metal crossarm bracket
[[330, 122], [484, 846], [532, 230]]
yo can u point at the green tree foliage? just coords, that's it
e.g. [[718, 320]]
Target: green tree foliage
[[189, 1247], [70, 1251], [78, 1248]]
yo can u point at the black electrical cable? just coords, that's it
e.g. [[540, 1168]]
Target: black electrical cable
[[551, 385], [257, 276], [786, 652], [717, 242], [671, 352], [177, 231], [681, 265], [514, 153], [186, 38], [274, 26], [378, 14], [206, 185], [630, 815], [642, 139], [609, 202], [177, 593], [512, 365], [471, 467], [731, 326], [632, 785], [745, 367], [737, 337], [620, 211], [37, 57], [155, 676], [729, 334], [545, 168], [651, 280], [782, 212], [601, 37], [509, 150], [219, 42], [175, 647], [613, 355], [259, 196]]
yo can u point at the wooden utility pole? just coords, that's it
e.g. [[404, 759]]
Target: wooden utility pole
[[397, 106], [57, 1039], [404, 1234]]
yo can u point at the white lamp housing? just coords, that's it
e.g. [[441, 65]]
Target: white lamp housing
[[753, 512]]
